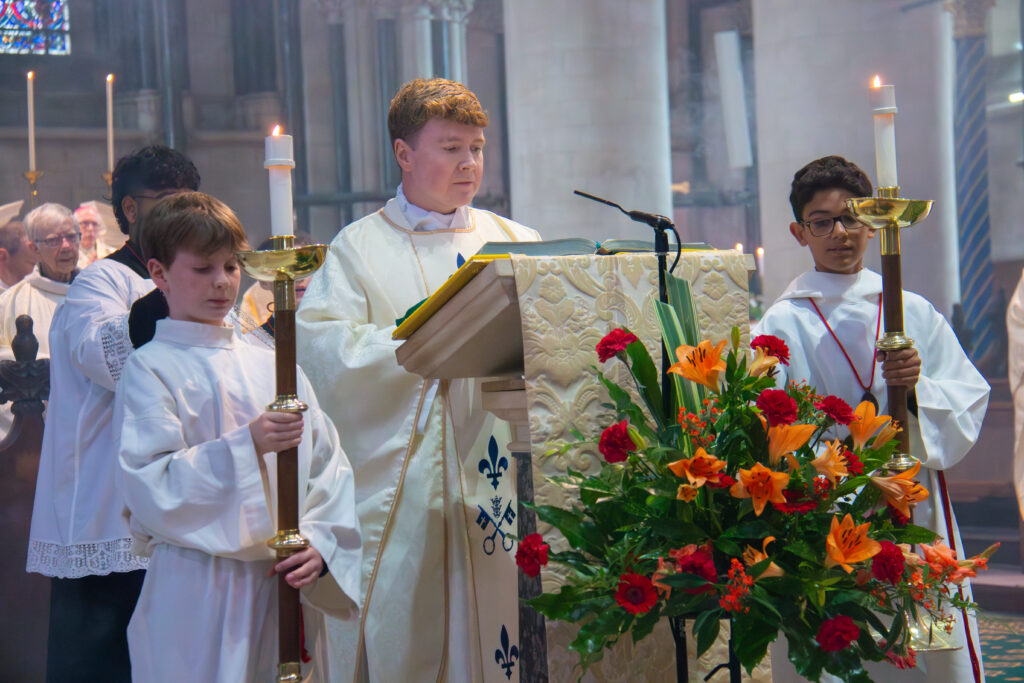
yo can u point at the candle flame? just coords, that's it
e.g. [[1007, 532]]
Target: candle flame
[[110, 78], [739, 247], [877, 82], [276, 131], [31, 75], [760, 251]]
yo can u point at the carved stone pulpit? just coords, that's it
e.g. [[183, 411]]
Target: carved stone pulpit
[[528, 328]]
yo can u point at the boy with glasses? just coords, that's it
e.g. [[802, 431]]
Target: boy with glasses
[[831, 317], [79, 534]]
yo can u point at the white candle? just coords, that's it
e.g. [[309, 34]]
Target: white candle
[[883, 106], [760, 260], [30, 82], [279, 162], [110, 123]]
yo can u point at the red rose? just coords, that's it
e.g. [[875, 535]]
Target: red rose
[[836, 408], [796, 502], [888, 564], [724, 481], [773, 346], [532, 554], [636, 593], [699, 561], [615, 341], [777, 406], [615, 443], [837, 633]]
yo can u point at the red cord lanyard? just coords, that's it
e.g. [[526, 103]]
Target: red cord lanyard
[[878, 327]]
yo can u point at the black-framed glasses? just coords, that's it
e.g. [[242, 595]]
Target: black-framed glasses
[[822, 227], [56, 241]]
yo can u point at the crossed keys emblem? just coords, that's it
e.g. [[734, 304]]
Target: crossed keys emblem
[[498, 519]]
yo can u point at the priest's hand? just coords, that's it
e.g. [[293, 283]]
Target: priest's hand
[[273, 432], [900, 368], [304, 567]]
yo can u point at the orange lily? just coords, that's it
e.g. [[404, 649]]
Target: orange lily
[[887, 434], [664, 569], [752, 556], [762, 362], [762, 484], [686, 492], [831, 464], [784, 439], [900, 490], [701, 363], [699, 468], [865, 423], [848, 543]]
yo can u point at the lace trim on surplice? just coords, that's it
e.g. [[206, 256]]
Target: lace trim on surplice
[[83, 559]]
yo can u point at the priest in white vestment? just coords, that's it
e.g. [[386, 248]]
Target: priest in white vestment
[[16, 257], [53, 235], [409, 440], [830, 318], [1015, 370]]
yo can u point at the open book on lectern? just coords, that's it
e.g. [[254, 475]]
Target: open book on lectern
[[492, 251]]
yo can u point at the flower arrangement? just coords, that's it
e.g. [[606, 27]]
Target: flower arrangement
[[770, 507]]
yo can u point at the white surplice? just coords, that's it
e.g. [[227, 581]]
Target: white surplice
[[952, 397], [410, 441], [78, 528], [1015, 371], [203, 505]]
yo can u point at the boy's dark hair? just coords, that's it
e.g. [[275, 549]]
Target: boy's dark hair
[[151, 168], [826, 173], [193, 221]]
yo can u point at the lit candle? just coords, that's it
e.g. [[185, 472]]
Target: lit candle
[[760, 260], [883, 106], [110, 123], [739, 247], [279, 162], [30, 82]]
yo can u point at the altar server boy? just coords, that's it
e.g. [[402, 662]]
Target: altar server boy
[[830, 317], [197, 455]]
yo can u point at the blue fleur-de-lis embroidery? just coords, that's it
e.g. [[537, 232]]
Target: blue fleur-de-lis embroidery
[[493, 466], [459, 260], [506, 656]]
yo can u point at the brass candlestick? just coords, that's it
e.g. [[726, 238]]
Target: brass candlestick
[[33, 177], [282, 265], [889, 213]]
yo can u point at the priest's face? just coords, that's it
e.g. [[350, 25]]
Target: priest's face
[[442, 165], [837, 242], [199, 288], [58, 251]]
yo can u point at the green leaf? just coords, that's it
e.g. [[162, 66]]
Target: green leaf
[[645, 623], [914, 535], [705, 627], [647, 378], [580, 534]]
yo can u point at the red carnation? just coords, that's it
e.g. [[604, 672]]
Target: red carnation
[[532, 554], [773, 346], [888, 564], [636, 593], [723, 481], [615, 443], [907, 661], [836, 408], [898, 518], [796, 502], [615, 341], [853, 463], [837, 633], [693, 560], [777, 406]]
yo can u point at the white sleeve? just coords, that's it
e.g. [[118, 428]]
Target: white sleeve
[[209, 497]]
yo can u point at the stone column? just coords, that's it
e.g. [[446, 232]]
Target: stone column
[[588, 109], [814, 63], [970, 127], [415, 58], [366, 130]]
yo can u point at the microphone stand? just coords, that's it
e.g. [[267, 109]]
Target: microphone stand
[[661, 225]]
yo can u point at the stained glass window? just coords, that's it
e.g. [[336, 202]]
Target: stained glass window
[[37, 27]]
